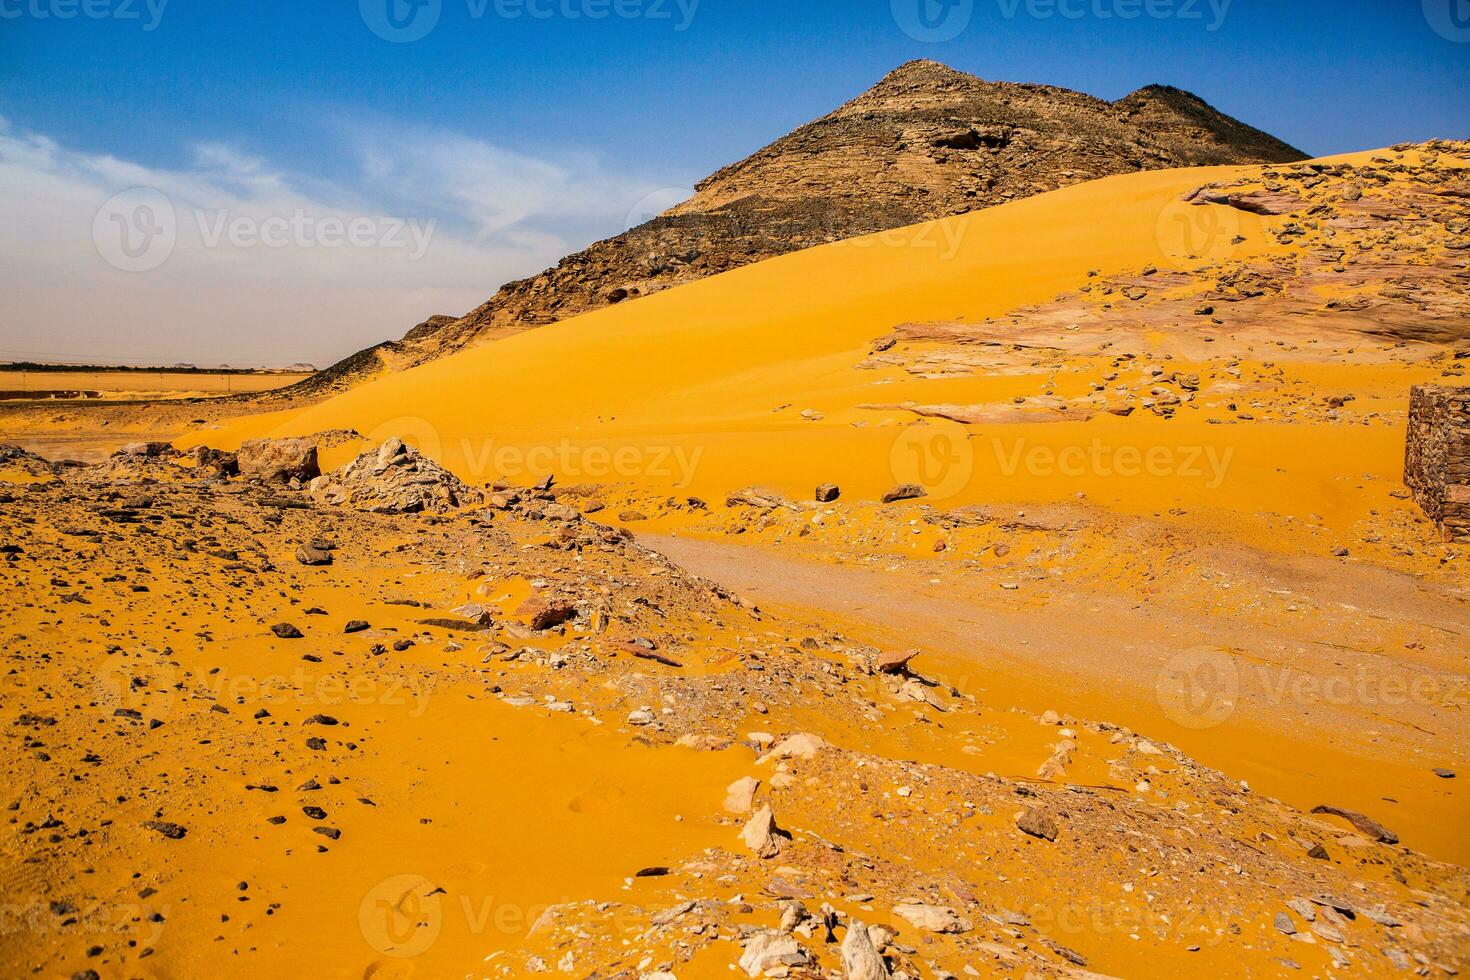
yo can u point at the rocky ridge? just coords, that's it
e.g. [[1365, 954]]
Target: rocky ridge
[[926, 142]]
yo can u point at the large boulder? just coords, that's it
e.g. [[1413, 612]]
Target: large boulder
[[278, 460], [1437, 458]]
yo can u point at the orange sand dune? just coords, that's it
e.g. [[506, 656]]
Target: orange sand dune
[[704, 388]]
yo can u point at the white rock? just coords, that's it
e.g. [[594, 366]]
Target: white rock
[[760, 834], [860, 959], [802, 746], [767, 950], [740, 794], [932, 918]]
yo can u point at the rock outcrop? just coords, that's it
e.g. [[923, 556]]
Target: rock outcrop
[[926, 142], [395, 478], [1437, 459]]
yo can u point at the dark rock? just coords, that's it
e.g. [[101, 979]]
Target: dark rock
[[172, 831], [545, 614], [286, 631], [909, 491], [1037, 823], [310, 555], [1365, 825], [279, 460]]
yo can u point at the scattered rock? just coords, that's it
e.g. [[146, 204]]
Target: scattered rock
[[544, 614], [286, 631], [278, 460], [909, 491], [828, 492], [170, 830], [932, 918], [860, 958], [894, 662], [768, 951], [740, 795], [312, 556], [1037, 823], [1364, 824], [761, 834]]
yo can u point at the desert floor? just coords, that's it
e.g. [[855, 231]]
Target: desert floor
[[1067, 712]]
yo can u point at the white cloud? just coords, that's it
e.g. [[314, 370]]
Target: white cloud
[[265, 265]]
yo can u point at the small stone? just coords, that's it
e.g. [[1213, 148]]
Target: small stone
[[172, 831], [286, 631], [860, 958], [932, 918], [1037, 823], [895, 662], [761, 834], [828, 492], [740, 795], [909, 491], [312, 556]]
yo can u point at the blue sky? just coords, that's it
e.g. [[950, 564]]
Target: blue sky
[[523, 129]]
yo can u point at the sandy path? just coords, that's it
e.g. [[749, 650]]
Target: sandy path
[[1298, 714]]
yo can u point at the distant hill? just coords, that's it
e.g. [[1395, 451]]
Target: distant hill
[[926, 142]]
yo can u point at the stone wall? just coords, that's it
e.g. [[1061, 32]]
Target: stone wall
[[1437, 460]]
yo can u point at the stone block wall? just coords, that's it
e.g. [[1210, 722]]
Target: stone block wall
[[1437, 459]]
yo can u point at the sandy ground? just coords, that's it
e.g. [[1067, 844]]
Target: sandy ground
[[1284, 705], [1168, 592]]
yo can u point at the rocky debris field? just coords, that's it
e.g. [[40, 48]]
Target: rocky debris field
[[1360, 264], [238, 712]]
